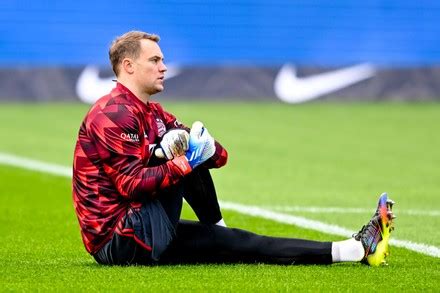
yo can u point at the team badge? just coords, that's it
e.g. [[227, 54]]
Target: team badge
[[161, 129]]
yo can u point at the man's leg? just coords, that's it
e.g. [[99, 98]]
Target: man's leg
[[199, 192], [200, 243], [206, 243], [171, 201]]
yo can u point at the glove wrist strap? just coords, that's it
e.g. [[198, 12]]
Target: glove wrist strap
[[182, 164]]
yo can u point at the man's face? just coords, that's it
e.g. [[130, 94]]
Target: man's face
[[149, 69]]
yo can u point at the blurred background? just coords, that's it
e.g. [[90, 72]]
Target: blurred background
[[290, 51]]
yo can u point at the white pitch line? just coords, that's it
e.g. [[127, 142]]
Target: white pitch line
[[34, 165], [342, 210], [58, 170]]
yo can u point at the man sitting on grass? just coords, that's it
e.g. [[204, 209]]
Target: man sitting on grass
[[134, 163]]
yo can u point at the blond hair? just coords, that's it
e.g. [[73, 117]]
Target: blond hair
[[128, 45]]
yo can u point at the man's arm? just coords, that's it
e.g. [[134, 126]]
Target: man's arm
[[115, 132]]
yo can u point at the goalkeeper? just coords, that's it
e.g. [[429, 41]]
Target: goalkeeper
[[134, 163]]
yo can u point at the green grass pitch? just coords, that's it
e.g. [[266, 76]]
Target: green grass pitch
[[313, 155]]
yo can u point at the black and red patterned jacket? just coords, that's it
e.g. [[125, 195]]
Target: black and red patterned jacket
[[111, 170]]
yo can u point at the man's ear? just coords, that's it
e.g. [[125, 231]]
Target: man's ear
[[128, 65]]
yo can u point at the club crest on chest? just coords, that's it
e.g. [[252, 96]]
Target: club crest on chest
[[161, 129]]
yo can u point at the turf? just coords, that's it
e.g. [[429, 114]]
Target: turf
[[319, 154]]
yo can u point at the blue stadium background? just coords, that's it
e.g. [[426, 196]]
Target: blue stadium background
[[195, 32]]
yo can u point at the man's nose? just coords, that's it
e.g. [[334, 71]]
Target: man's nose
[[163, 68]]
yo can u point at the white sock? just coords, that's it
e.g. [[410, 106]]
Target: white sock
[[347, 250], [221, 223]]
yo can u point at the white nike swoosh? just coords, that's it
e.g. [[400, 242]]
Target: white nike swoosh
[[90, 87], [292, 89]]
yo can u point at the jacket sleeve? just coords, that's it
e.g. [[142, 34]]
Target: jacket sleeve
[[220, 156], [116, 135]]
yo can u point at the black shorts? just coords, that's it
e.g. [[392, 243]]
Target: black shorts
[[150, 233]]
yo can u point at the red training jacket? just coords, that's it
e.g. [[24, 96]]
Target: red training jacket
[[110, 168]]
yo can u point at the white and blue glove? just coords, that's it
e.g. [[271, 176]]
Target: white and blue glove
[[201, 145]]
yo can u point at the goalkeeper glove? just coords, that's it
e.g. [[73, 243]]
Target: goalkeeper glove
[[201, 145], [174, 143]]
